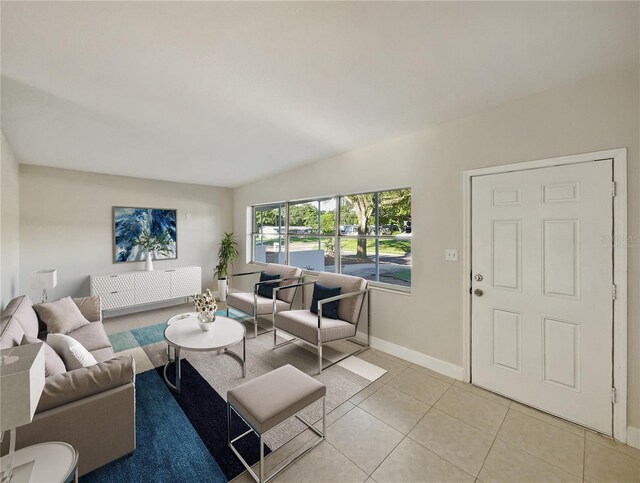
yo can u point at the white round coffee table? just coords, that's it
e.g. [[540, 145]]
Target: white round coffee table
[[184, 333], [51, 462]]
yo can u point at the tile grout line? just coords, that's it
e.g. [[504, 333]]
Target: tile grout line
[[495, 438]]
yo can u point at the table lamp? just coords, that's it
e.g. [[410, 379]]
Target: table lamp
[[21, 384], [43, 280]]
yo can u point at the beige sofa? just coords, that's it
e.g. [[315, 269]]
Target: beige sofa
[[92, 408]]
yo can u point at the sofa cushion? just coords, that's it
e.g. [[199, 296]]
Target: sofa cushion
[[74, 355], [82, 383], [53, 364], [349, 307], [90, 307], [11, 333], [304, 324], [21, 308], [92, 336], [103, 354], [61, 316]]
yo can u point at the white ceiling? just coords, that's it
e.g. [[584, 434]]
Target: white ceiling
[[225, 93]]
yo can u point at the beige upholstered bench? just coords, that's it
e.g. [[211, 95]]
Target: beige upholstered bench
[[269, 400]]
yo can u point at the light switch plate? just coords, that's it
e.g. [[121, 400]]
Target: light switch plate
[[451, 255]]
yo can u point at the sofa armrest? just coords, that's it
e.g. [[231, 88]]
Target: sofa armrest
[[88, 381], [90, 307]]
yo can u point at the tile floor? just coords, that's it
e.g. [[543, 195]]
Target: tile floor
[[415, 425]]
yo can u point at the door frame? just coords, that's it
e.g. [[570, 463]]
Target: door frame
[[619, 157]]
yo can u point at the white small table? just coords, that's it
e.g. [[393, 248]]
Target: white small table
[[184, 333], [54, 462]]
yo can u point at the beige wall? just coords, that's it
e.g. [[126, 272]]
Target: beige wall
[[591, 115], [66, 223], [9, 232]]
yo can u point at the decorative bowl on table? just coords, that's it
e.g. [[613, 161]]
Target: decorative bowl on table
[[206, 306]]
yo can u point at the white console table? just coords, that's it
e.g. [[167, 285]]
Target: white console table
[[129, 289]]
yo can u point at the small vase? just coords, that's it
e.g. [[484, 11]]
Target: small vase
[[148, 264], [206, 320]]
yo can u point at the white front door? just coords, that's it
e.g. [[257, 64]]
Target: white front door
[[542, 308]]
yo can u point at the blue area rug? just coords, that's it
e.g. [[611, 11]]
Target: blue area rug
[[180, 437]]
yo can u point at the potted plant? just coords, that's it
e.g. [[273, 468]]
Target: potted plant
[[150, 243], [227, 254]]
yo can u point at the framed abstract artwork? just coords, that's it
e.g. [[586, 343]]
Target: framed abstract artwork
[[138, 230]]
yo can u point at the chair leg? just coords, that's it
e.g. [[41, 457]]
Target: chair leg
[[255, 323], [275, 337], [227, 311], [319, 358], [261, 459]]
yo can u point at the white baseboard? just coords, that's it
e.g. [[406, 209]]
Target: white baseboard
[[437, 365], [633, 437]]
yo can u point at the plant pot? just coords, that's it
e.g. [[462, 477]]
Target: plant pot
[[148, 264], [222, 289]]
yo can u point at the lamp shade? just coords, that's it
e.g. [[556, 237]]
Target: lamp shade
[[21, 384], [44, 279]]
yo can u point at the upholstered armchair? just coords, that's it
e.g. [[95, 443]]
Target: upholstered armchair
[[315, 329], [254, 304]]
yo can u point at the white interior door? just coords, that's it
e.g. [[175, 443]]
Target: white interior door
[[542, 313]]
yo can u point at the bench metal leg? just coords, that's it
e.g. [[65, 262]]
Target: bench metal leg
[[260, 477]]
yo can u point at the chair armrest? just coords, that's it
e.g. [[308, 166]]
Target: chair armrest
[[267, 282], [243, 274], [82, 383], [284, 287], [337, 297]]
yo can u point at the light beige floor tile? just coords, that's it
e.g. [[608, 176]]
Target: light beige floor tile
[[556, 446], [547, 418], [604, 464], [478, 391], [322, 464], [431, 373], [508, 464], [420, 386], [395, 408], [457, 442], [336, 414], [477, 411], [366, 392], [398, 360], [610, 443], [142, 361], [363, 439], [411, 462], [392, 367]]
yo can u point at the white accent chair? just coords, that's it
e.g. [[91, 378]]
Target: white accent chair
[[256, 305], [316, 330]]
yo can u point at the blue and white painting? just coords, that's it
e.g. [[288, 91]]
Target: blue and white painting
[[128, 225]]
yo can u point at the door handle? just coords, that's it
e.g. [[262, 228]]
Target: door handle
[[478, 293]]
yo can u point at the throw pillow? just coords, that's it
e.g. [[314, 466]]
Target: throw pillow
[[53, 365], [61, 316], [72, 352], [320, 292], [266, 290]]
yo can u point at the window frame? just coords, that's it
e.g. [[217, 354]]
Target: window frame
[[337, 236]]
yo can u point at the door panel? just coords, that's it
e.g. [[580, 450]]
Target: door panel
[[542, 328]]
